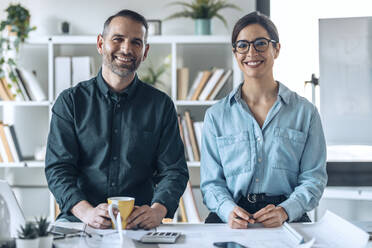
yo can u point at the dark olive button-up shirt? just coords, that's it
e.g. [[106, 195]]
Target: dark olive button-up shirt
[[103, 144]]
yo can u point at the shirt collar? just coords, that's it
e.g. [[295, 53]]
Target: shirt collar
[[284, 93], [105, 89]]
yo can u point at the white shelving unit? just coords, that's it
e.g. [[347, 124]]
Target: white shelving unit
[[31, 119]]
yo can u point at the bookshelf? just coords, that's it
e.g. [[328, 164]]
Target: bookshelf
[[31, 118]]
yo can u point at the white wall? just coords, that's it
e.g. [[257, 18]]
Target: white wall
[[297, 23], [87, 16]]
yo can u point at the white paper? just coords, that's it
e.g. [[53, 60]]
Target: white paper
[[333, 231], [255, 236]]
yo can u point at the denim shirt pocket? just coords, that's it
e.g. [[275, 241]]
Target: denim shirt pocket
[[235, 153], [288, 146]]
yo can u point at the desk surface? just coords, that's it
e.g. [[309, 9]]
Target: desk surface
[[194, 235]]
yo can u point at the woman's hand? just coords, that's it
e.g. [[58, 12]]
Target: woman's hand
[[239, 218], [271, 216]]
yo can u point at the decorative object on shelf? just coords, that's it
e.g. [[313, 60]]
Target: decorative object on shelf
[[202, 11], [152, 75], [154, 27], [45, 237], [13, 32], [27, 236], [65, 27]]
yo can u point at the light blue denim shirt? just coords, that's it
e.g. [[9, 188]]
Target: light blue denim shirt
[[287, 156]]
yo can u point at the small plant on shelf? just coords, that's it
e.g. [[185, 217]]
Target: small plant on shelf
[[202, 11], [152, 75]]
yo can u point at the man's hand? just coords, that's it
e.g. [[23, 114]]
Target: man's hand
[[271, 216], [146, 217], [239, 218], [97, 217]]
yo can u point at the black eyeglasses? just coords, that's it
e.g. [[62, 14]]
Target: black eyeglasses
[[260, 45]]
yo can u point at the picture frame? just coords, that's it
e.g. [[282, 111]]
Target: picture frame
[[154, 27]]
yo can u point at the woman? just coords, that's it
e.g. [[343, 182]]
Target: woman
[[263, 152]]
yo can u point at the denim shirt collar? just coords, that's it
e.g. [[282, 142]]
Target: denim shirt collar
[[284, 93]]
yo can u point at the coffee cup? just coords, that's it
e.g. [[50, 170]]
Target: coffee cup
[[124, 205]]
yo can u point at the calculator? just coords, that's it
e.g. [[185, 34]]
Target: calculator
[[160, 237]]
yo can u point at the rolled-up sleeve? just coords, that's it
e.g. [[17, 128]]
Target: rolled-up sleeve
[[171, 163], [312, 178], [216, 195], [62, 155]]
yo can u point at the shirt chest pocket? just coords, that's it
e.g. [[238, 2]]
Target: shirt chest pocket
[[288, 146], [235, 153]]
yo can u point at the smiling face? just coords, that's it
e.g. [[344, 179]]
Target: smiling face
[[123, 47], [254, 64]]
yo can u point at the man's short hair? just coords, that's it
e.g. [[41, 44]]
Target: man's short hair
[[128, 14]]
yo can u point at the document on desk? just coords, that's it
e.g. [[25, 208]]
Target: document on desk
[[333, 231], [255, 236]]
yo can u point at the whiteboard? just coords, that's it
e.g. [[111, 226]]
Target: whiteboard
[[345, 60]]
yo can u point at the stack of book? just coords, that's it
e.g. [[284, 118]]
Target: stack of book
[[9, 146], [206, 85], [191, 133], [19, 84]]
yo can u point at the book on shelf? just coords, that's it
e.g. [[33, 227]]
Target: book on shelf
[[194, 85], [198, 127], [31, 84], [63, 79], [191, 210], [14, 144], [182, 83], [183, 214], [10, 143], [217, 88], [82, 69], [21, 84], [201, 85], [191, 131], [5, 94], [182, 134], [12, 84], [210, 84], [188, 147], [6, 153]]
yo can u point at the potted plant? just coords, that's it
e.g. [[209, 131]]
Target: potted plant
[[152, 75], [27, 236], [202, 11], [13, 32], [45, 237]]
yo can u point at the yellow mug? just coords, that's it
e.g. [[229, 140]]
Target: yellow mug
[[124, 205]]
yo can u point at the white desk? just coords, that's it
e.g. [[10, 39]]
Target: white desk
[[200, 236]]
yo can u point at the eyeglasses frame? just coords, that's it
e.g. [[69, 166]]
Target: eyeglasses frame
[[252, 42]]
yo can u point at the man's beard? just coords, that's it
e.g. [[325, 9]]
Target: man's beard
[[120, 70]]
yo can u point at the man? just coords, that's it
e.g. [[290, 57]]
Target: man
[[116, 136]]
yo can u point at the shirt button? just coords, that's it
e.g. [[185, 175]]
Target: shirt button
[[258, 139], [257, 180], [114, 158], [115, 130], [259, 160], [118, 105], [112, 184]]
